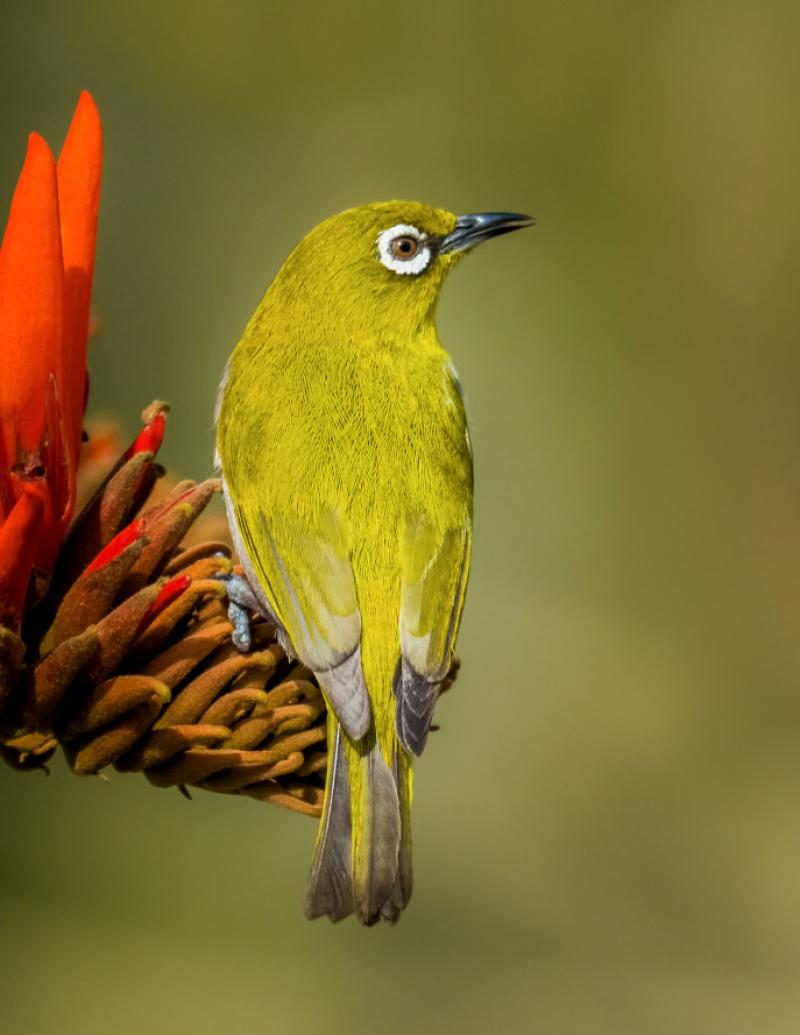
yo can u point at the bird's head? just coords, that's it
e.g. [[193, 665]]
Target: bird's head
[[377, 270]]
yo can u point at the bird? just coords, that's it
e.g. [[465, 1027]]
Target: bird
[[347, 474]]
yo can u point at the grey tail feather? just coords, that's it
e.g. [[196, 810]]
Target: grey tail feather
[[401, 892], [416, 699], [329, 890], [377, 854]]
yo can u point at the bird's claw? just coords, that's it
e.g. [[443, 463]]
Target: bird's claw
[[241, 602]]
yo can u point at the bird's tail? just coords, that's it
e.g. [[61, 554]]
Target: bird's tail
[[362, 860], [329, 890]]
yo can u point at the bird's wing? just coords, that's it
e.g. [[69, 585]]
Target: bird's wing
[[305, 573], [435, 567]]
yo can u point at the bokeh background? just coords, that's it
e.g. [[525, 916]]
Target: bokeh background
[[608, 826]]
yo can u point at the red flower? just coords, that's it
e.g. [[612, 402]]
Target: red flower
[[114, 637], [46, 267]]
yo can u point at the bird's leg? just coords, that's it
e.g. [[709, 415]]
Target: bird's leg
[[241, 602]]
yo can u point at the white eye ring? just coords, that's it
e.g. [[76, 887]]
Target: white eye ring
[[414, 265]]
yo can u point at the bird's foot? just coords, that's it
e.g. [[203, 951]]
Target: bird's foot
[[242, 602]]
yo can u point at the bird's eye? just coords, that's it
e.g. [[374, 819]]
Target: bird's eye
[[404, 249]]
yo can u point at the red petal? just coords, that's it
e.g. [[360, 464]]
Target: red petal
[[169, 591], [149, 438], [31, 301], [79, 171], [18, 539], [128, 535]]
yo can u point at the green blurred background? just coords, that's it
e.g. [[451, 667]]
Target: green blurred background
[[608, 826]]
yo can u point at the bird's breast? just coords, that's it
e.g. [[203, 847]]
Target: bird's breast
[[366, 431]]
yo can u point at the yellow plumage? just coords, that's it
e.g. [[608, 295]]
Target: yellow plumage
[[347, 471]]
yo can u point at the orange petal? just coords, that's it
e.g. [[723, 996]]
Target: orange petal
[[60, 474], [18, 538], [31, 298], [79, 170]]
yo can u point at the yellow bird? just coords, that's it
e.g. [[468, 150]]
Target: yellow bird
[[347, 474]]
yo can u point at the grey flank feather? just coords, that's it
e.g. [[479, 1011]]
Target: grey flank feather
[[329, 890], [416, 699], [376, 864]]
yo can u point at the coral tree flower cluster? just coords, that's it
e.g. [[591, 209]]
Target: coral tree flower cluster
[[114, 637]]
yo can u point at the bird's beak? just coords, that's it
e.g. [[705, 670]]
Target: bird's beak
[[472, 230]]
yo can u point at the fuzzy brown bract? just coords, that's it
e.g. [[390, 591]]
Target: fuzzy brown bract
[[126, 660]]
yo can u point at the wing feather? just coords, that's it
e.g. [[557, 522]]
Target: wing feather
[[316, 606], [435, 568]]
